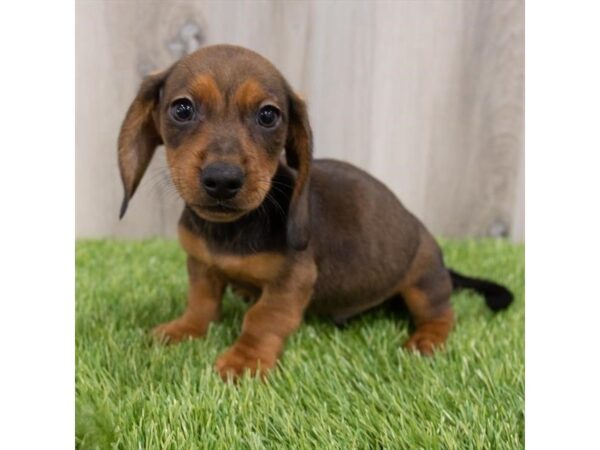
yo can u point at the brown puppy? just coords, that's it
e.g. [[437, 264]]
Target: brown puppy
[[319, 236]]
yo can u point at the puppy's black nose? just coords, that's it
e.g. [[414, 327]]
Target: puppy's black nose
[[221, 180]]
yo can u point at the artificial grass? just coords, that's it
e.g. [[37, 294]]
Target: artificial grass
[[335, 388]]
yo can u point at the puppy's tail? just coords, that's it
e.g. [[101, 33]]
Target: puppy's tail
[[497, 297]]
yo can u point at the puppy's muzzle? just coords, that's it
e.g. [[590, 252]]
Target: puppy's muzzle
[[222, 181]]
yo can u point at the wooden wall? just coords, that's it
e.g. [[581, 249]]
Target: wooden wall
[[427, 95]]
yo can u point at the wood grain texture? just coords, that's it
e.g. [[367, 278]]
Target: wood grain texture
[[425, 95]]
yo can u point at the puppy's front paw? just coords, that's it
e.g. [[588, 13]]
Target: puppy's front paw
[[176, 331], [234, 362]]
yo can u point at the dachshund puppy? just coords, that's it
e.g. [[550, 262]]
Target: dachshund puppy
[[299, 235]]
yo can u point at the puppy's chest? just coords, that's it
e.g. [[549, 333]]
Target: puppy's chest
[[256, 269]]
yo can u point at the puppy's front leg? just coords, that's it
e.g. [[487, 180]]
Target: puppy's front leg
[[204, 305], [267, 324]]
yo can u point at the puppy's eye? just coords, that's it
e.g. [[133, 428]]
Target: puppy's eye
[[268, 116], [182, 110]]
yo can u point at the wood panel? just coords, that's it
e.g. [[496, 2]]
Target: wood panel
[[426, 95]]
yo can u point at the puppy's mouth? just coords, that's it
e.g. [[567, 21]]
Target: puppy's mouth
[[221, 207], [218, 211]]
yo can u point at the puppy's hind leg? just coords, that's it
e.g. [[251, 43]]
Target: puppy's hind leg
[[433, 323], [426, 289]]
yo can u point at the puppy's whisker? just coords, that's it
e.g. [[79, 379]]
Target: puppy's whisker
[[163, 186], [281, 183], [275, 203]]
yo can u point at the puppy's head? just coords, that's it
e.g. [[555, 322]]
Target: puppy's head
[[224, 114]]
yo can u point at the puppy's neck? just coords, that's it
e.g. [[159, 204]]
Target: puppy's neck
[[263, 229]]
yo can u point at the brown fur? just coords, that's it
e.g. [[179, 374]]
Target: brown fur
[[300, 236]]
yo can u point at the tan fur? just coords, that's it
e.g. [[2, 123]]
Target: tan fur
[[268, 323], [257, 269], [206, 288], [249, 95], [426, 290], [205, 88]]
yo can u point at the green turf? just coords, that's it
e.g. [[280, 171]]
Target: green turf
[[335, 388]]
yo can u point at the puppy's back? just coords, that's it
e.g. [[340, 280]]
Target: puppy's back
[[364, 238]]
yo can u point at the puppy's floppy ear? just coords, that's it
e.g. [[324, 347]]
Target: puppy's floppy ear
[[298, 153], [139, 135]]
